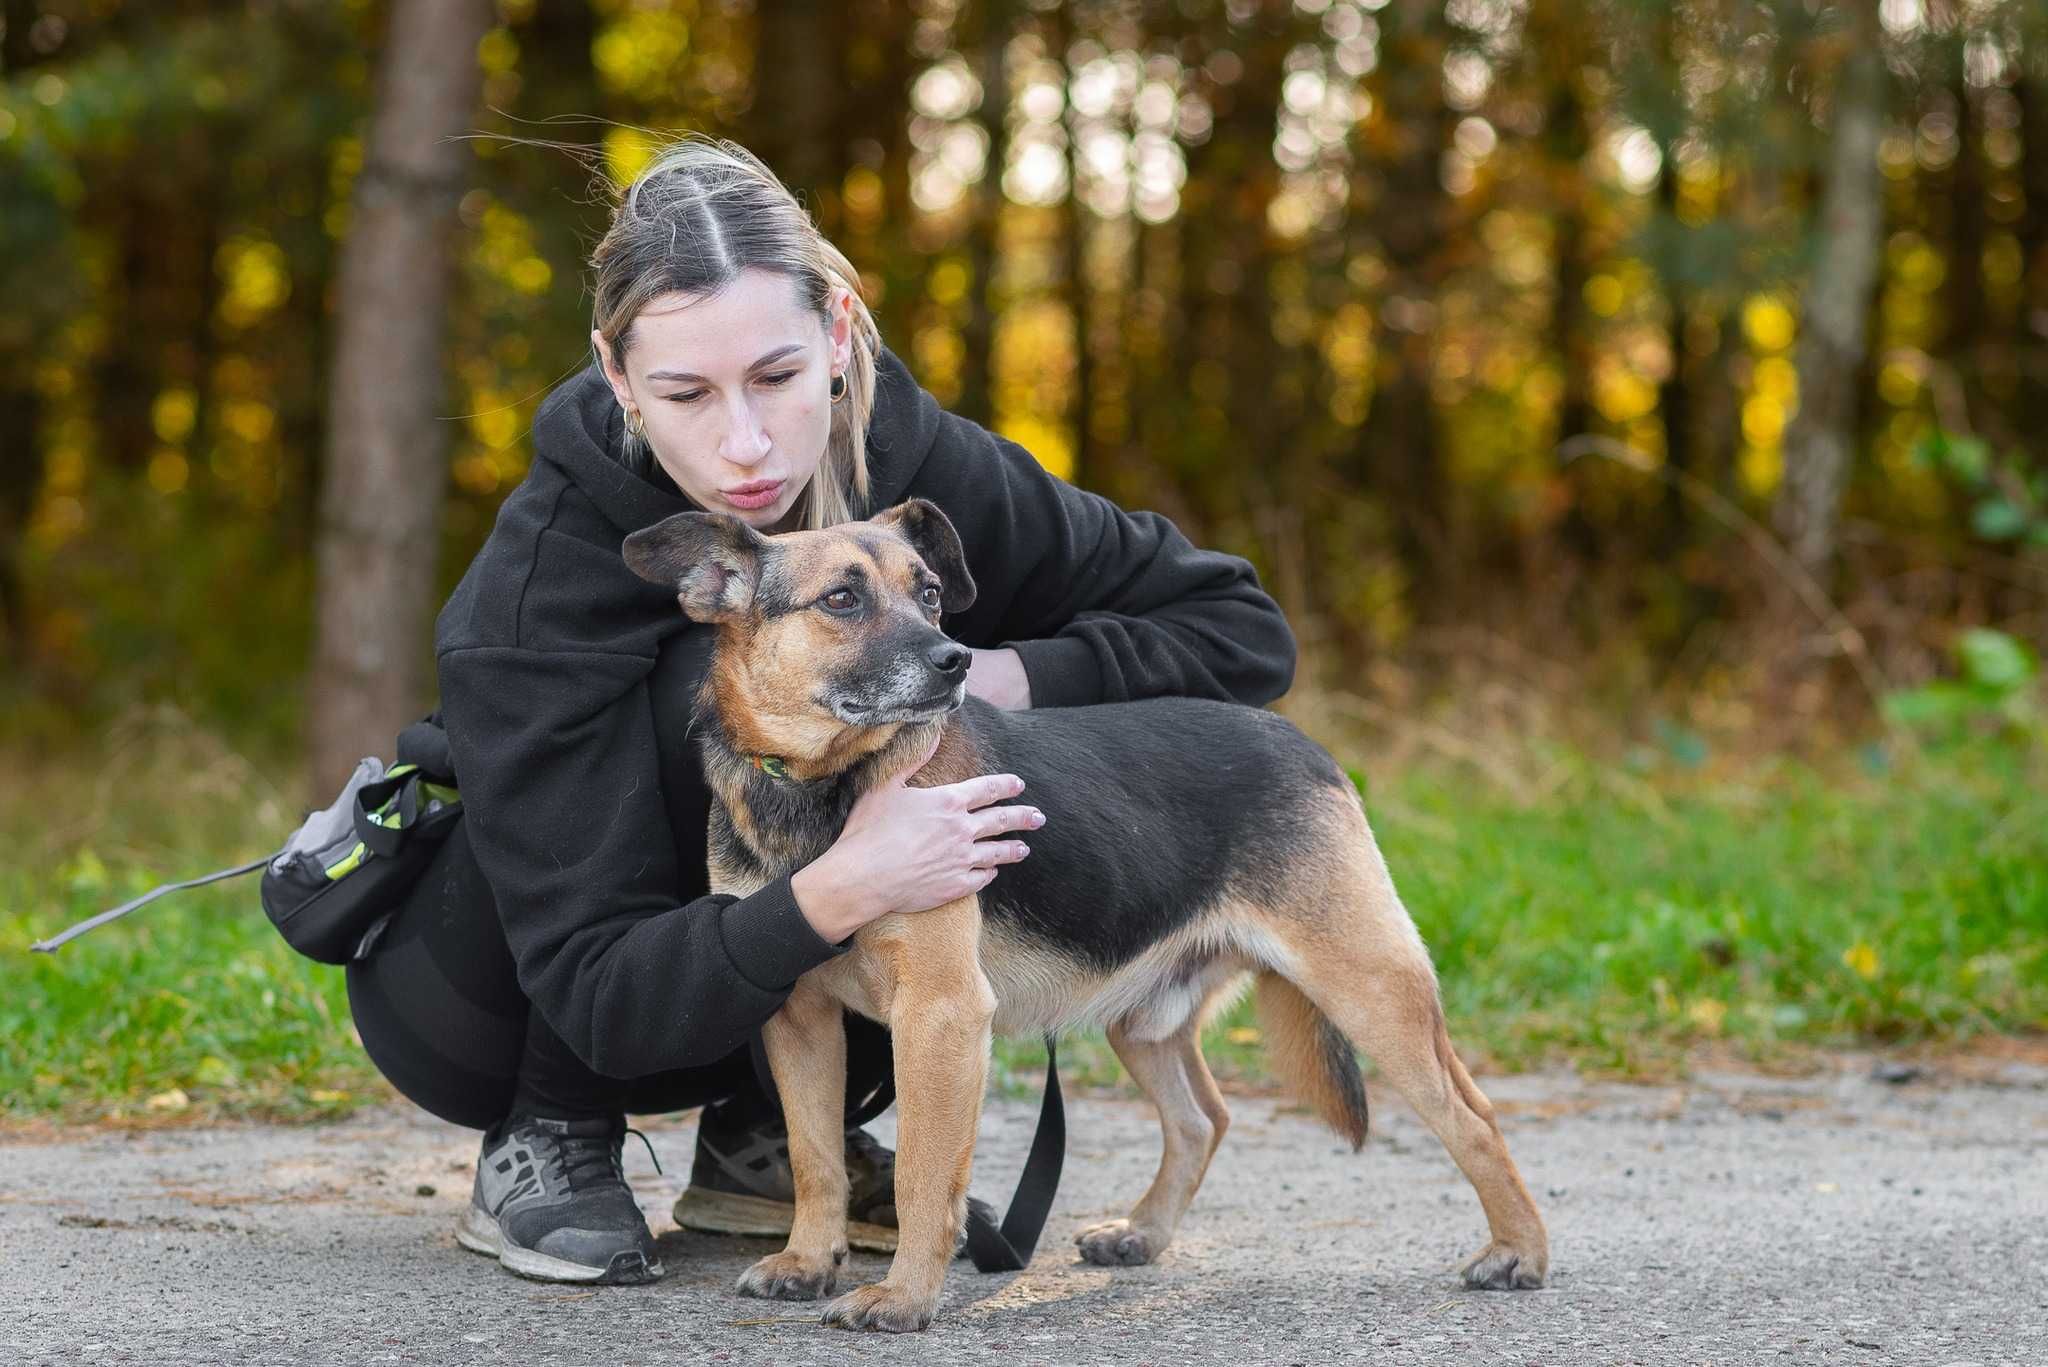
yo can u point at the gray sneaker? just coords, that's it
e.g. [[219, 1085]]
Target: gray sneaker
[[551, 1202], [741, 1183]]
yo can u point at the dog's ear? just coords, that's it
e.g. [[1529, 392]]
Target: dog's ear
[[711, 560], [930, 533]]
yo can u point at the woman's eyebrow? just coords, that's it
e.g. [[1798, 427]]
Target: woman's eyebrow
[[772, 356]]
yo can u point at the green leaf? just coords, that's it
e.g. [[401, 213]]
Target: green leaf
[[1936, 704], [1999, 519], [1967, 457], [1994, 660]]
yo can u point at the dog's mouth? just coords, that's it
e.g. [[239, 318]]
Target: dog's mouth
[[856, 713]]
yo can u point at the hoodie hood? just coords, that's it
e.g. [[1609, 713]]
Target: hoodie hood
[[580, 430]]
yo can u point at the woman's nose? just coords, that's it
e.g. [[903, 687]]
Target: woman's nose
[[746, 440]]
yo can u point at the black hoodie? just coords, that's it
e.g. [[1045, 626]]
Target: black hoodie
[[566, 686]]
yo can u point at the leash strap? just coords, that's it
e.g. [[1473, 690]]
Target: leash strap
[[57, 941], [1007, 1248]]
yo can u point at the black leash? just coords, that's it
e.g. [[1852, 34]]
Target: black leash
[[1007, 1248]]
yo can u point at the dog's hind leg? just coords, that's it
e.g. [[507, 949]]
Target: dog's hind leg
[[940, 1009], [1385, 1001], [806, 1044], [1176, 1080]]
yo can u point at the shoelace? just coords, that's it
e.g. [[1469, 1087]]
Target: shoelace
[[587, 1159]]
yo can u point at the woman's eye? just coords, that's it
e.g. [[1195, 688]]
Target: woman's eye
[[778, 379], [841, 600], [931, 595]]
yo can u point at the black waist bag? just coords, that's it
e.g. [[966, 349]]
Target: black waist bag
[[330, 890]]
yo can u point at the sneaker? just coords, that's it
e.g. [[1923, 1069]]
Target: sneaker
[[740, 1183], [551, 1202]]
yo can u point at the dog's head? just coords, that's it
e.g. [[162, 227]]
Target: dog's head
[[838, 626]]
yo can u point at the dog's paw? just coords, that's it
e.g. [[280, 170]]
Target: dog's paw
[[788, 1276], [1500, 1267], [1117, 1243], [882, 1307]]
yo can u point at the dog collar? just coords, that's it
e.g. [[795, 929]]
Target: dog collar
[[772, 766]]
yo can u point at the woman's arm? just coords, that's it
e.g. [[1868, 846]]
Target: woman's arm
[[1100, 605], [556, 755]]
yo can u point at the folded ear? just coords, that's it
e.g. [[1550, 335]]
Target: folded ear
[[711, 560], [930, 533]]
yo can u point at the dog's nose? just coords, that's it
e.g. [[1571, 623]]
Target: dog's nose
[[949, 658]]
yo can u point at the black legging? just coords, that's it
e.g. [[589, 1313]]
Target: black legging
[[440, 1013]]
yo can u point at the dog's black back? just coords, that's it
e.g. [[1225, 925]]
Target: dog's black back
[[1153, 810]]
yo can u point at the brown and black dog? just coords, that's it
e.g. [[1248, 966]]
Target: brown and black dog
[[1188, 844]]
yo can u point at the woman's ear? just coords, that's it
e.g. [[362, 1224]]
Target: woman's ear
[[613, 375], [930, 533], [839, 328]]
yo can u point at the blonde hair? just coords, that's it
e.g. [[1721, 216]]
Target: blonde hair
[[702, 211]]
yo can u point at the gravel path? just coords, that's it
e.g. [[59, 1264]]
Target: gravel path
[[1732, 1219]]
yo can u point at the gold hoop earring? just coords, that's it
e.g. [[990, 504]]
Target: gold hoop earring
[[838, 386], [636, 425]]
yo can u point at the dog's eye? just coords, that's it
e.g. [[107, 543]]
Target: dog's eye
[[931, 595], [841, 600]]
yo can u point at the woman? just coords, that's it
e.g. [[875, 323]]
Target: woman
[[562, 962]]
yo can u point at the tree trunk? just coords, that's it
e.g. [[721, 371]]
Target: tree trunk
[[1077, 225], [386, 467], [1398, 452], [1833, 316], [1674, 394], [790, 126], [978, 333], [21, 469], [2031, 412], [1963, 308]]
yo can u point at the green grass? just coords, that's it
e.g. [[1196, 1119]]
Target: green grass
[[1617, 923]]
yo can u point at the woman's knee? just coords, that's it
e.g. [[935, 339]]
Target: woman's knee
[[437, 1004]]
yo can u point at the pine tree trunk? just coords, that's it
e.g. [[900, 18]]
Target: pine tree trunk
[[2031, 412], [1821, 440], [1077, 226], [1398, 452], [797, 86], [386, 466], [976, 399]]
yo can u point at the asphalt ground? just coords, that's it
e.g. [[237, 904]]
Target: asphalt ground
[[1733, 1218]]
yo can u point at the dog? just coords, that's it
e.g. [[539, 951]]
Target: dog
[[1189, 845]]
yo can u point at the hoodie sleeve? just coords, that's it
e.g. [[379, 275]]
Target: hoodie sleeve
[[1101, 605], [556, 755]]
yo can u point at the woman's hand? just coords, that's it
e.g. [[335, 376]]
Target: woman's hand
[[997, 677], [912, 849]]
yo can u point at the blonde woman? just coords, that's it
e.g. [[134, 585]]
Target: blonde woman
[[563, 963]]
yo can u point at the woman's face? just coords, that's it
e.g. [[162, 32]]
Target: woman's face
[[735, 391]]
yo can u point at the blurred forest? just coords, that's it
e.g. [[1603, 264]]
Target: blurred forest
[[1676, 358]]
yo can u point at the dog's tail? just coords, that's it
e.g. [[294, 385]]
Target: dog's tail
[[1312, 1056]]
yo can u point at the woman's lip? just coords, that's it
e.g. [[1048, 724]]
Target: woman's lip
[[758, 498]]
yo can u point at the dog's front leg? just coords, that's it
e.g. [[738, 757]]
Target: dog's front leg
[[939, 1018], [806, 1044]]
